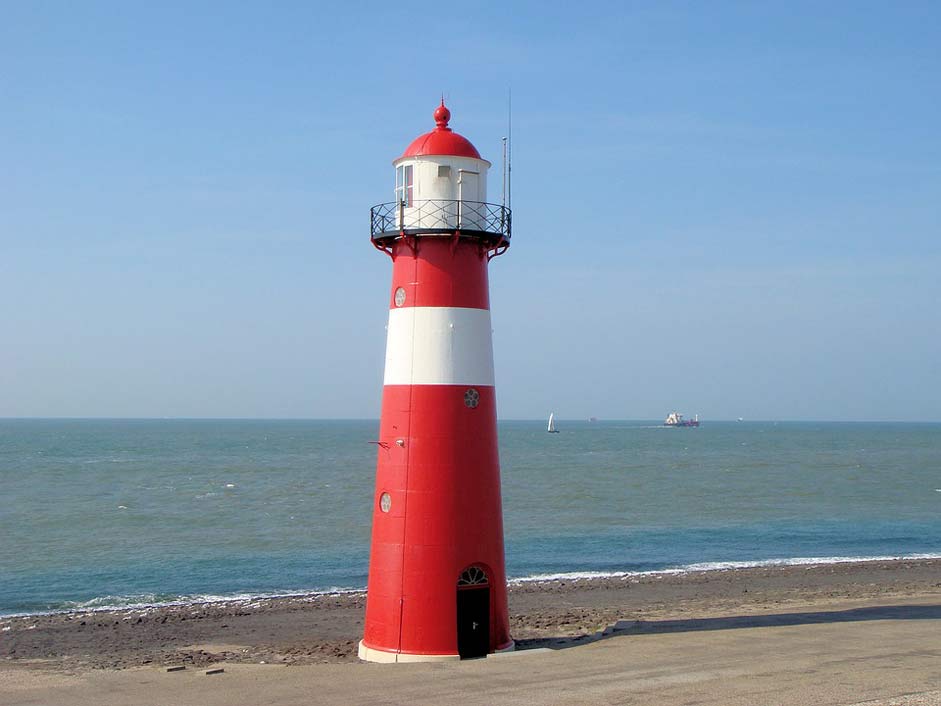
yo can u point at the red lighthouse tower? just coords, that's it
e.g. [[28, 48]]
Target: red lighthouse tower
[[437, 582]]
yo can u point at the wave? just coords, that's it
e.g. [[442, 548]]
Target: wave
[[149, 601], [718, 566]]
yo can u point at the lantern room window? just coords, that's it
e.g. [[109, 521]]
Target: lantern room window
[[404, 184]]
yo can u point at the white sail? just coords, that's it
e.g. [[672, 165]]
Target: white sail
[[551, 426]]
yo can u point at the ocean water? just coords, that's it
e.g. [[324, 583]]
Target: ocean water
[[117, 512]]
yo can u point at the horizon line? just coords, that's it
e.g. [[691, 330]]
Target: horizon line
[[504, 419]]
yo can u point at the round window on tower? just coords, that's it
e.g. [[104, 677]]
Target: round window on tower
[[399, 297], [385, 502], [471, 398]]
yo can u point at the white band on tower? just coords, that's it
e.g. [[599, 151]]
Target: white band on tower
[[439, 346]]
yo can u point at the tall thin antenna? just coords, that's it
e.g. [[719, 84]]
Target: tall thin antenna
[[509, 148], [503, 200]]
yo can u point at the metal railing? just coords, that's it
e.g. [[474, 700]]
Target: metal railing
[[389, 220]]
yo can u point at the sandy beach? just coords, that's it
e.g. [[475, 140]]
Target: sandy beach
[[865, 620]]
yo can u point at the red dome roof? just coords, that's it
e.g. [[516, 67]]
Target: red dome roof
[[442, 140]]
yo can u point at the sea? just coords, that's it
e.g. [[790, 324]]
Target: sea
[[116, 512]]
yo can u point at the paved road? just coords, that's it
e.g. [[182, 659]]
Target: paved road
[[849, 657]]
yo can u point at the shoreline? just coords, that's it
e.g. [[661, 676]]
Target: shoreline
[[567, 576], [318, 628]]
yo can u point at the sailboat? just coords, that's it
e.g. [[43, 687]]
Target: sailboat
[[551, 428]]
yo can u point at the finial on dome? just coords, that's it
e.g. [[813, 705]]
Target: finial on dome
[[442, 116]]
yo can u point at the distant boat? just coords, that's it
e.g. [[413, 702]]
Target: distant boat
[[551, 428], [675, 419], [741, 419]]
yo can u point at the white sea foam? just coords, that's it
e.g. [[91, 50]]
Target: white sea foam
[[717, 566], [802, 561], [580, 575], [149, 602]]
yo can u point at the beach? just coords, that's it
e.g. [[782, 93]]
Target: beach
[[848, 613]]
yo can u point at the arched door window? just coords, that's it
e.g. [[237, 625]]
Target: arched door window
[[473, 576]]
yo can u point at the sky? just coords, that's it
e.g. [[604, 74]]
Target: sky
[[730, 209]]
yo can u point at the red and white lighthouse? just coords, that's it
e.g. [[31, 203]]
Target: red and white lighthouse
[[437, 582]]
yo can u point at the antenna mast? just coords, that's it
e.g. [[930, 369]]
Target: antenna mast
[[509, 148], [503, 201]]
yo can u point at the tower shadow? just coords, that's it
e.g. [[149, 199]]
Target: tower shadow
[[736, 622]]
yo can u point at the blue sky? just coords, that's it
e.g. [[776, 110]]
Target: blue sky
[[725, 208]]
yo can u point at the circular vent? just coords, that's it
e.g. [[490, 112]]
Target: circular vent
[[471, 398]]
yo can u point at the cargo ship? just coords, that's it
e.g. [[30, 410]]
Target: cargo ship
[[675, 419]]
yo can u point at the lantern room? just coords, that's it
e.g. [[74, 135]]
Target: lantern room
[[441, 189]]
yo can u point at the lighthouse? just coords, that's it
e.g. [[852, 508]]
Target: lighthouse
[[437, 581]]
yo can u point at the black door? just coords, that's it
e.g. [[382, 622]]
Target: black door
[[473, 621]]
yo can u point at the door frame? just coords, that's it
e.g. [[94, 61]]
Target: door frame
[[474, 578]]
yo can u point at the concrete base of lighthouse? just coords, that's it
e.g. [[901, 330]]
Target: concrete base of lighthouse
[[369, 654]]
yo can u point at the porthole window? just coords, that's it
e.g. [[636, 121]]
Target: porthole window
[[471, 398], [399, 297], [385, 502]]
